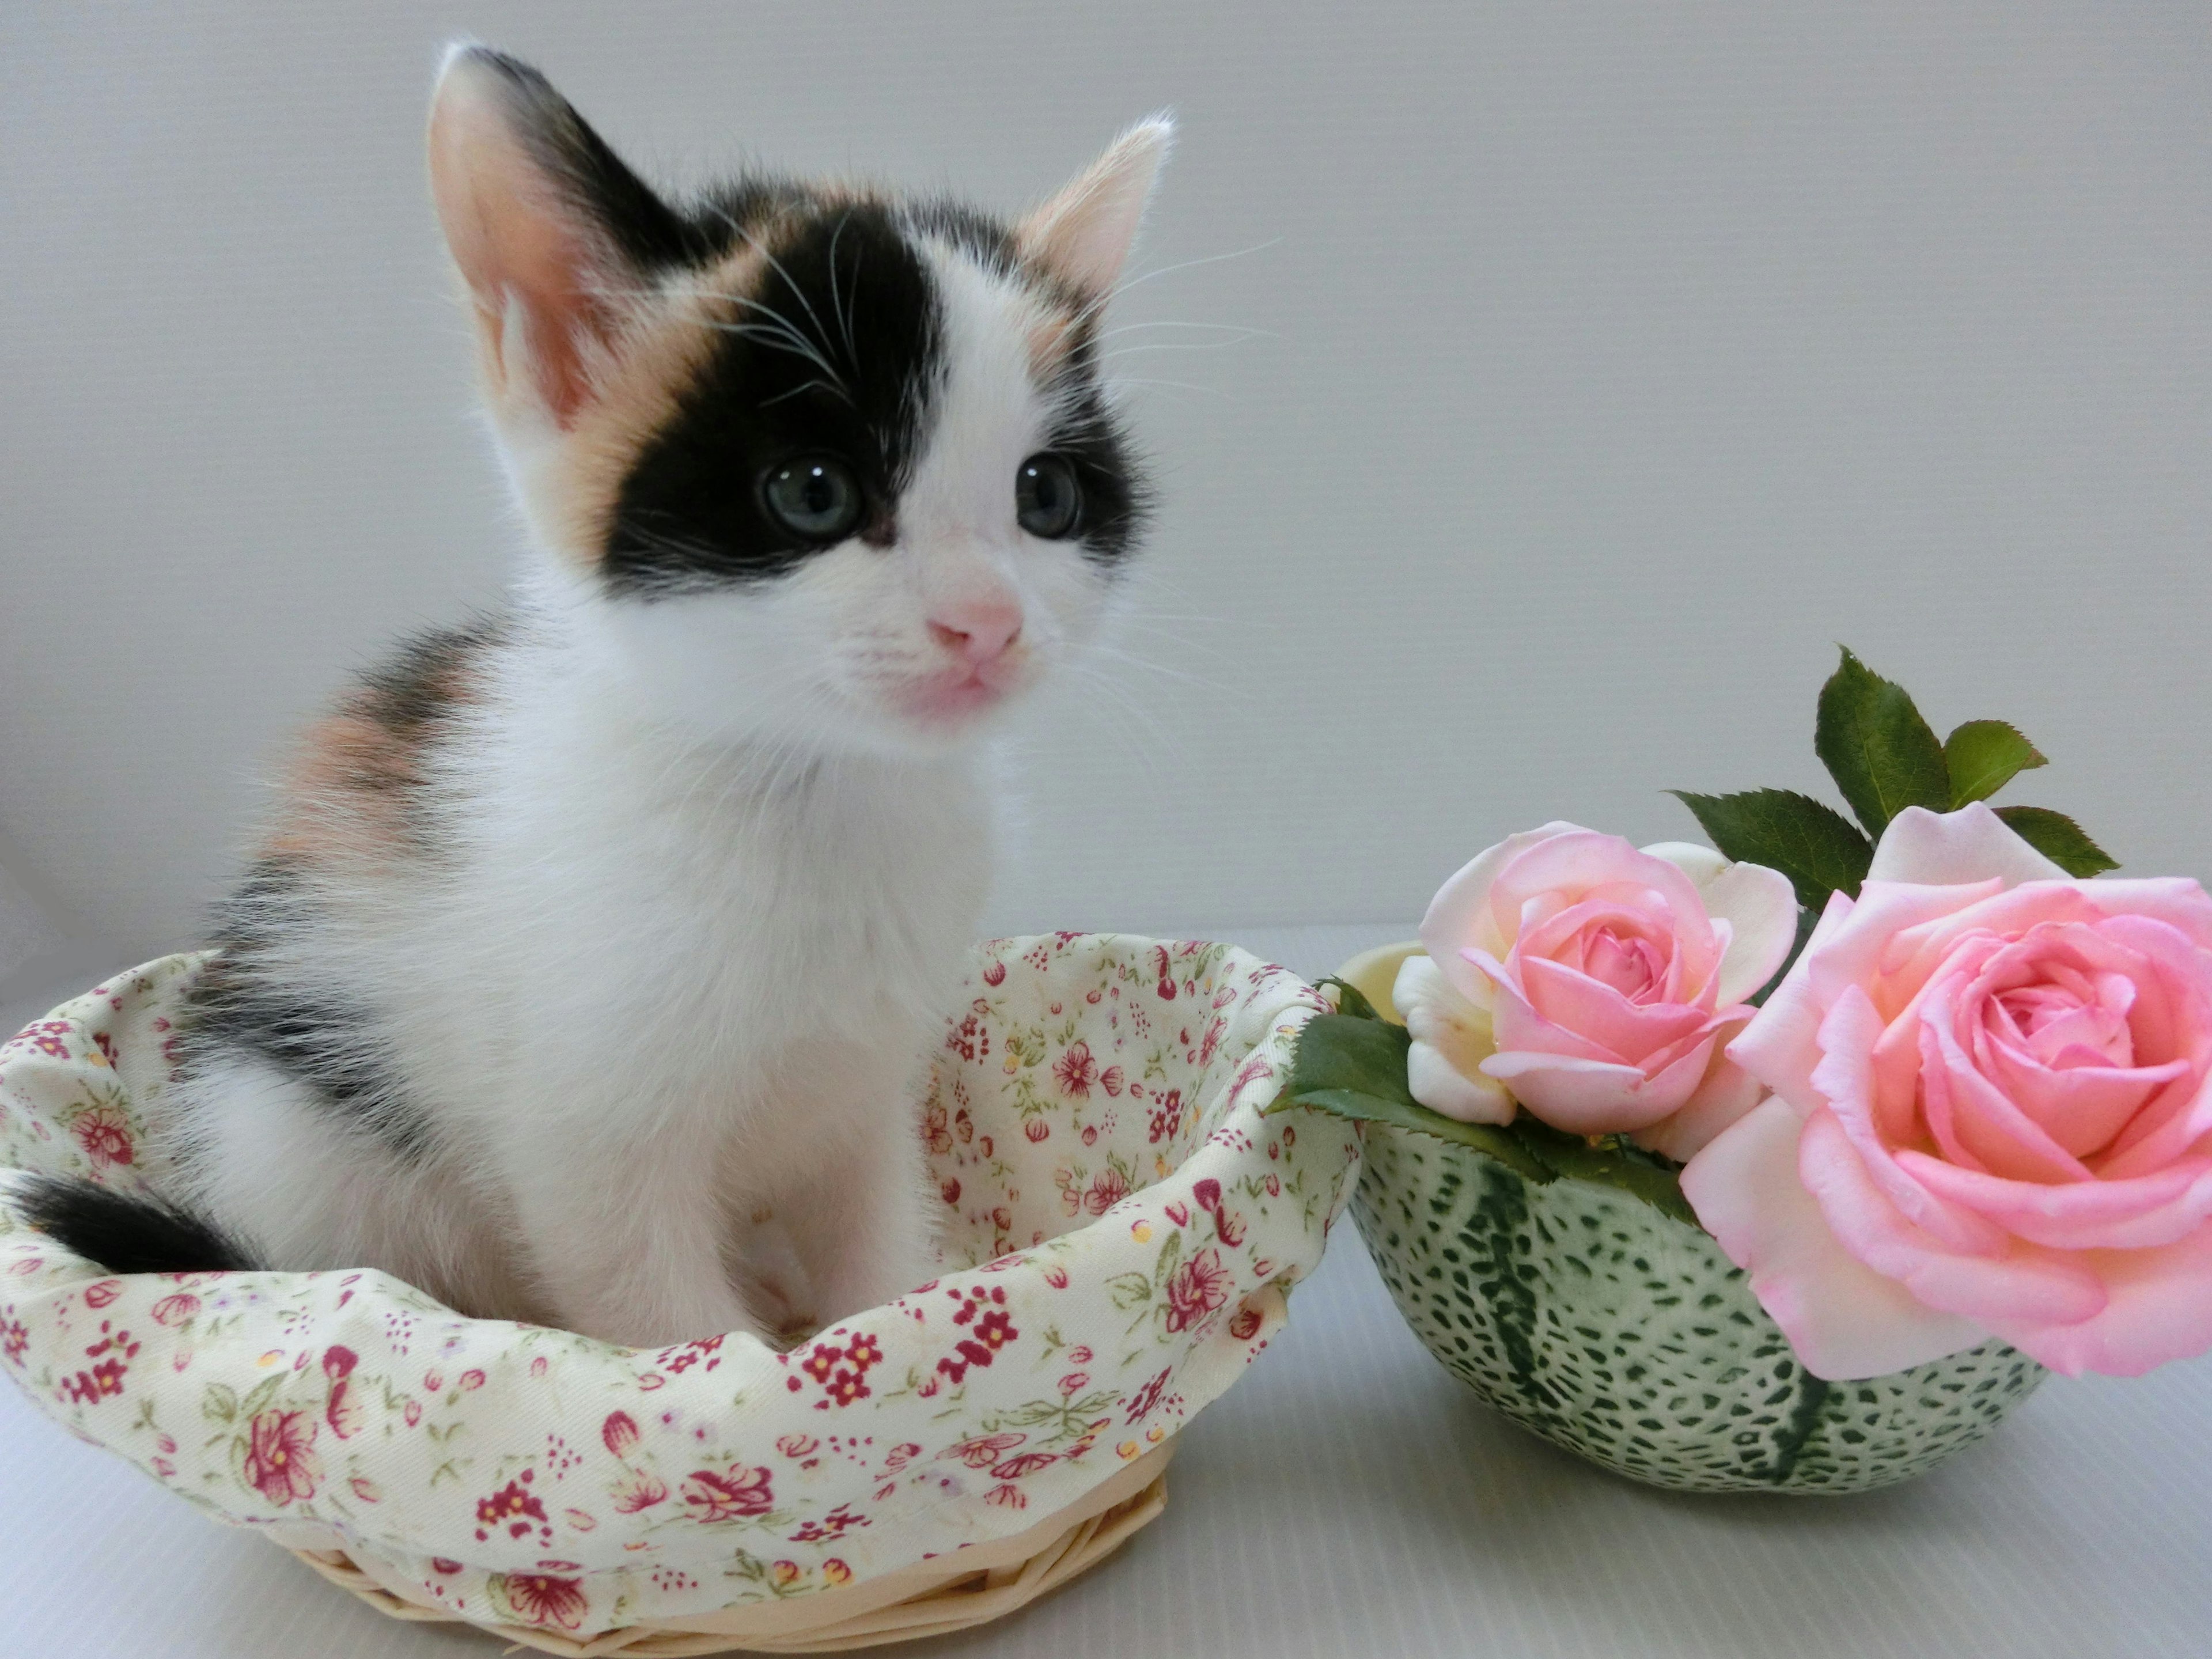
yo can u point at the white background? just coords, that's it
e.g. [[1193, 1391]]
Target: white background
[[1617, 361]]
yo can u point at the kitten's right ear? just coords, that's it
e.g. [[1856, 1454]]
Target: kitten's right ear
[[550, 230], [1083, 235]]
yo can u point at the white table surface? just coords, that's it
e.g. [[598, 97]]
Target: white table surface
[[1349, 1498]]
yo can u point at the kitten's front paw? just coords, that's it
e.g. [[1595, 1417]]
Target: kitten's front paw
[[782, 1310]]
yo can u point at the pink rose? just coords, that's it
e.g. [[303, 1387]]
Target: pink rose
[[1990, 1116], [1594, 984]]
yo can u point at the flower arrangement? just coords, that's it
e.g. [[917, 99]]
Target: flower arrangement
[[1914, 1108]]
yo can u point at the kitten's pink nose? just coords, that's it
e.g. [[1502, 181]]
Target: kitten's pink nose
[[978, 631]]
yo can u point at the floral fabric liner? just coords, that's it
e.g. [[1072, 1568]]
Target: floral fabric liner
[[1122, 1227]]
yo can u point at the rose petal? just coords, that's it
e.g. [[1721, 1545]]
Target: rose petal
[[2156, 1310], [1514, 1025], [1727, 1093], [1374, 974], [1761, 909], [2082, 1108], [1780, 1045], [1700, 863], [2090, 1215], [1457, 913], [2025, 1283], [1942, 849], [1844, 1077], [1451, 1039], [1599, 1014], [1971, 1117], [1585, 865], [1567, 935], [2181, 903], [1433, 1079], [1584, 1096], [1843, 1319]]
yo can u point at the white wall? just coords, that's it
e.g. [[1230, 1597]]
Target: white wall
[[1618, 361]]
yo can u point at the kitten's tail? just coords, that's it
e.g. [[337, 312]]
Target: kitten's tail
[[126, 1232]]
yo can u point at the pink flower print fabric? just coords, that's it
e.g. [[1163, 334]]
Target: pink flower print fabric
[[1122, 1226]]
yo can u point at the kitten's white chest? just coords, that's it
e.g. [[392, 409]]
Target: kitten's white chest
[[712, 918]]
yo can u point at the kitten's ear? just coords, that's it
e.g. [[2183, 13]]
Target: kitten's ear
[[550, 230], [1083, 235]]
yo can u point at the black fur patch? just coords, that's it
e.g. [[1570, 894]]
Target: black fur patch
[[1117, 498], [412, 694], [417, 686], [318, 1037], [127, 1233], [838, 350]]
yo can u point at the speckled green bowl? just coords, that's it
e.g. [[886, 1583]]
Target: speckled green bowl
[[1625, 1336]]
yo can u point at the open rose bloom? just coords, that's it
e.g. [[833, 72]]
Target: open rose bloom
[[1990, 1116], [1594, 984]]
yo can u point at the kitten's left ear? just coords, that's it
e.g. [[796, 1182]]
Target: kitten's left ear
[[1083, 235]]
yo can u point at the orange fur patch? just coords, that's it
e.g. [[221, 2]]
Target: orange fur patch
[[347, 795]]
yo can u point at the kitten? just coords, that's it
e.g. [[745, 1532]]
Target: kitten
[[587, 969]]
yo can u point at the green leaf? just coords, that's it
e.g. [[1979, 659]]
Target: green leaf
[[1356, 1068], [1881, 754], [2059, 839], [1488, 1138], [1343, 1051], [1811, 843], [1982, 756], [220, 1403], [1611, 1163], [1349, 998]]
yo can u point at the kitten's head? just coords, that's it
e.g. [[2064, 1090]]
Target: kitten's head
[[812, 462]]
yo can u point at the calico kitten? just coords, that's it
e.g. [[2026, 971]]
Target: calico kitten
[[588, 968]]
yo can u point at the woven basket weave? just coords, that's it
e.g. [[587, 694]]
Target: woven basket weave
[[976, 1586]]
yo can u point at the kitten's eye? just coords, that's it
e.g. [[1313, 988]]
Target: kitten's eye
[[1047, 500], [816, 496]]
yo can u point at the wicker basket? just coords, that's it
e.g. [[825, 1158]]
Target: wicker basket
[[1123, 1228], [930, 1600]]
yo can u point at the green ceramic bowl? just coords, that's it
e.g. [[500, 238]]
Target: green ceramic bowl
[[1625, 1336]]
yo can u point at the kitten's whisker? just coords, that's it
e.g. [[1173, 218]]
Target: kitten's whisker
[[842, 313], [1106, 688], [1139, 280], [1237, 328], [1183, 677], [1170, 345], [804, 386], [778, 266], [1180, 386], [780, 335]]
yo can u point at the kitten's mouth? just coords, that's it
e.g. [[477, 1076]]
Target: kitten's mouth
[[958, 695]]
